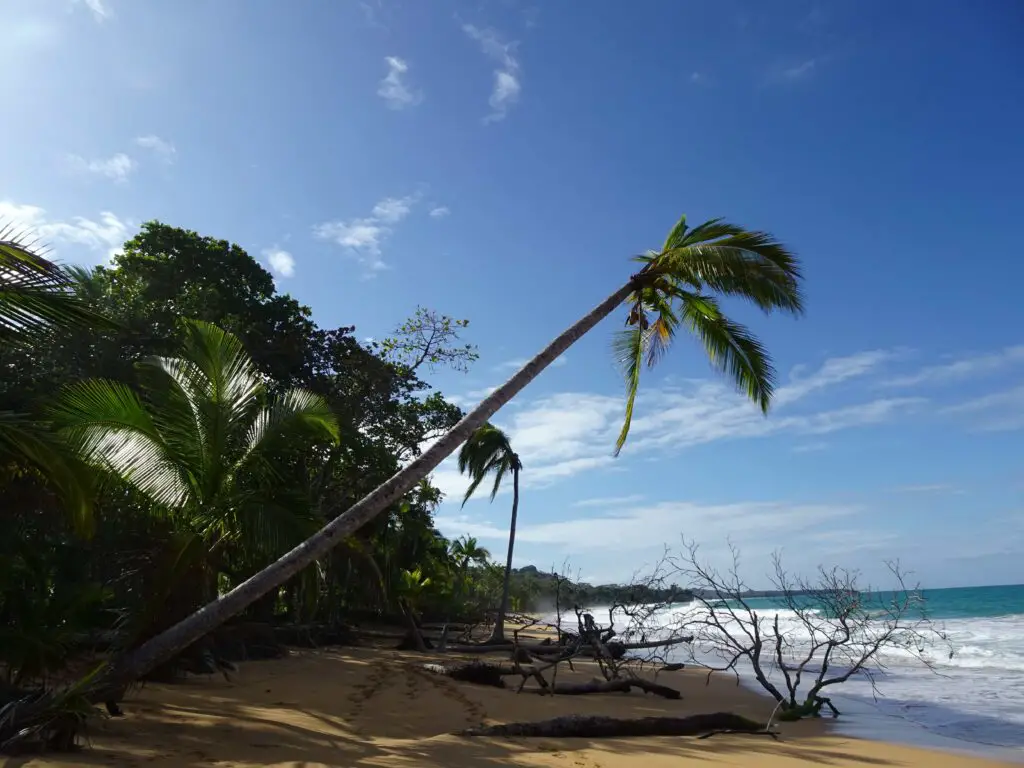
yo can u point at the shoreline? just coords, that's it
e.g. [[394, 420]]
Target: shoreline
[[375, 706]]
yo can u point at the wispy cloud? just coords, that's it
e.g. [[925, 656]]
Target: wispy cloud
[[645, 526], [996, 412], [570, 432], [800, 71], [103, 236], [519, 362], [810, 447], [930, 488], [439, 212], [164, 150], [117, 168], [962, 368], [363, 238], [393, 88], [609, 501], [100, 10], [507, 79], [834, 371], [281, 262]]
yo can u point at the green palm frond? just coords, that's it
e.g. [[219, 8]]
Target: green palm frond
[[297, 410], [23, 437], [110, 428], [728, 259], [488, 450], [731, 348], [671, 289], [629, 347], [36, 294]]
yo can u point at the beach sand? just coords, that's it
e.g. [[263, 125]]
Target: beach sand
[[378, 707]]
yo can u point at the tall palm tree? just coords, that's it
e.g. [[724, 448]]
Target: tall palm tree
[[198, 446], [489, 451], [675, 286]]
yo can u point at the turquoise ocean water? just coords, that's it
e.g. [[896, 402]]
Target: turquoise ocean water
[[973, 699]]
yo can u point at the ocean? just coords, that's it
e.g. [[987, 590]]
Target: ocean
[[972, 701]]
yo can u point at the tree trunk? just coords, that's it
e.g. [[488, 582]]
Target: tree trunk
[[588, 727], [498, 635], [165, 645], [618, 685]]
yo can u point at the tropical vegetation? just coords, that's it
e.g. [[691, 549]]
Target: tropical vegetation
[[182, 445]]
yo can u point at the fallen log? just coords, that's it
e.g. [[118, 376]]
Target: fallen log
[[478, 672], [590, 726], [619, 685], [616, 649]]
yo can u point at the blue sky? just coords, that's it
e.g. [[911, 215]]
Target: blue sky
[[499, 160]]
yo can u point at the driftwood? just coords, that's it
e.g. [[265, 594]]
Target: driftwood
[[615, 649], [587, 726], [484, 673], [618, 685]]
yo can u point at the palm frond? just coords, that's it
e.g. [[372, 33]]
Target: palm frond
[[36, 294], [488, 450], [23, 437], [297, 411], [731, 348], [629, 347], [676, 235], [110, 428], [731, 260]]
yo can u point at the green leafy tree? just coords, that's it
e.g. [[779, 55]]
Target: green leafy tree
[[675, 288], [488, 451]]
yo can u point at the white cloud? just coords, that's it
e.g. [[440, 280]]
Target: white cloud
[[964, 368], [565, 433], [439, 212], [105, 236], [363, 238], [116, 168], [99, 8], [164, 150], [392, 209], [393, 89], [639, 527], [507, 84], [996, 412], [281, 262]]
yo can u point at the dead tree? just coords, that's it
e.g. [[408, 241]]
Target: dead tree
[[834, 629]]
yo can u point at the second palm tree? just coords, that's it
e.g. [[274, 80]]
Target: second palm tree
[[489, 451]]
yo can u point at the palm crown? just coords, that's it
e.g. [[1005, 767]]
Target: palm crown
[[673, 289], [487, 451], [197, 451]]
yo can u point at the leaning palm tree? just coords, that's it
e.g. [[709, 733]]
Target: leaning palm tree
[[675, 287], [198, 447], [489, 451]]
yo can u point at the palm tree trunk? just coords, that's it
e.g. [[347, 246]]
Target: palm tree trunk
[[498, 635], [165, 645]]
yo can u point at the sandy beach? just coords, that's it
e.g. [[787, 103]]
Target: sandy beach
[[379, 707]]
